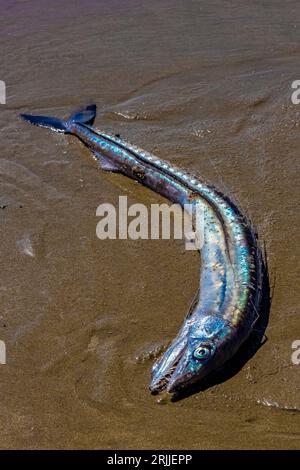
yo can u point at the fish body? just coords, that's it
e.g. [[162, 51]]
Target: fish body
[[226, 307]]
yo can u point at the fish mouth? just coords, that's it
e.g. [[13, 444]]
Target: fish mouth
[[170, 370]]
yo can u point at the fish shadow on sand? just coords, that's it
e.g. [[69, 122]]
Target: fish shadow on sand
[[255, 341]]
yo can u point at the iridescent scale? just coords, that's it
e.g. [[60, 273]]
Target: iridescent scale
[[230, 269]]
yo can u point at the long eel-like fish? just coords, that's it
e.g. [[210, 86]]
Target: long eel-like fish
[[226, 308]]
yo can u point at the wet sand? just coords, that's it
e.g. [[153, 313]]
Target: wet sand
[[206, 85]]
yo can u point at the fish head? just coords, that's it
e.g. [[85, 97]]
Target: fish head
[[203, 344]]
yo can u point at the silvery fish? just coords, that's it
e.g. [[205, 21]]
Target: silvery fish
[[227, 304]]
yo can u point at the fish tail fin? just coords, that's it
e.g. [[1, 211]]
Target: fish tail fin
[[83, 116]]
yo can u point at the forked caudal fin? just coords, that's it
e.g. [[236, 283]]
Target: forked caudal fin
[[83, 116]]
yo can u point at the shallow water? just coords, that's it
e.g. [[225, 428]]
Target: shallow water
[[206, 85]]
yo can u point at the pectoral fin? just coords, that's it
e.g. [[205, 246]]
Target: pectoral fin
[[104, 163]]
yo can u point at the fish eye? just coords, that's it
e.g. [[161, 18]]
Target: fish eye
[[201, 352]]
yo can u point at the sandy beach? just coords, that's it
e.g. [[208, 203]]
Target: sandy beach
[[207, 86]]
